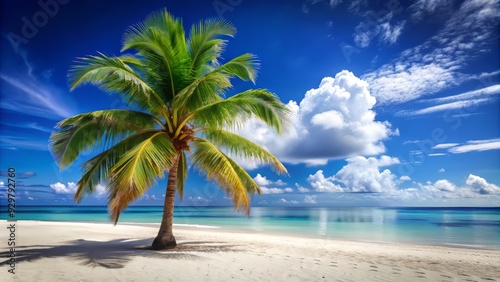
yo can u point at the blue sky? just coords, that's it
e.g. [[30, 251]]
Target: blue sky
[[396, 102]]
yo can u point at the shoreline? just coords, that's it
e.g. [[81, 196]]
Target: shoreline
[[225, 229], [77, 251]]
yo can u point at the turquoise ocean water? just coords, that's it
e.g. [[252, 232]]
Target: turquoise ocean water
[[465, 227]]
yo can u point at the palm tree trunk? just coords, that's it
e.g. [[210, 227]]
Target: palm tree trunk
[[165, 238]]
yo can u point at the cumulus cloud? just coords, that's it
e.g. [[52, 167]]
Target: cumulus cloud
[[359, 175], [60, 188], [301, 189], [366, 175], [363, 174], [335, 120], [441, 170], [264, 184], [320, 183], [439, 62], [261, 180], [440, 185], [405, 178], [480, 185]]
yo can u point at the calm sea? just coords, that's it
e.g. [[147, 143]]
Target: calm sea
[[465, 227]]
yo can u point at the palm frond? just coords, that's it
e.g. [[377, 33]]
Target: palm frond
[[88, 131], [97, 169], [240, 146], [138, 169], [244, 66], [112, 74], [204, 45], [202, 91], [207, 88], [219, 167], [160, 39], [234, 111]]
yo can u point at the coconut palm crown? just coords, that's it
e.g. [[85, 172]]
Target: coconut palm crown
[[174, 87]]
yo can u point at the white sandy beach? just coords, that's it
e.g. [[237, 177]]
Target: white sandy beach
[[60, 251]]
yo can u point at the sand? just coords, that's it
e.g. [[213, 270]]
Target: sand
[[63, 251]]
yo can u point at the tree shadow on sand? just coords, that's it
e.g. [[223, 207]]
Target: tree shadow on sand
[[114, 253]]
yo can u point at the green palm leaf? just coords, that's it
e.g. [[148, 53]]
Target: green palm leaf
[[113, 75], [204, 44], [240, 146], [234, 111], [97, 169], [88, 131], [231, 177], [138, 169]]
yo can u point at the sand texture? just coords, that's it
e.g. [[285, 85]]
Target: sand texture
[[60, 251]]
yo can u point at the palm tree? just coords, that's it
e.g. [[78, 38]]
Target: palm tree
[[174, 88]]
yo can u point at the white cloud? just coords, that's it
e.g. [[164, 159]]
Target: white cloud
[[441, 170], [198, 199], [310, 199], [480, 185], [322, 184], [405, 178], [261, 180], [436, 154], [60, 188], [363, 175], [445, 145], [440, 185], [476, 146], [383, 29], [285, 201], [264, 184], [28, 95], [485, 92], [445, 107], [301, 189], [390, 33], [422, 8], [280, 183], [332, 121], [359, 175], [438, 63]]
